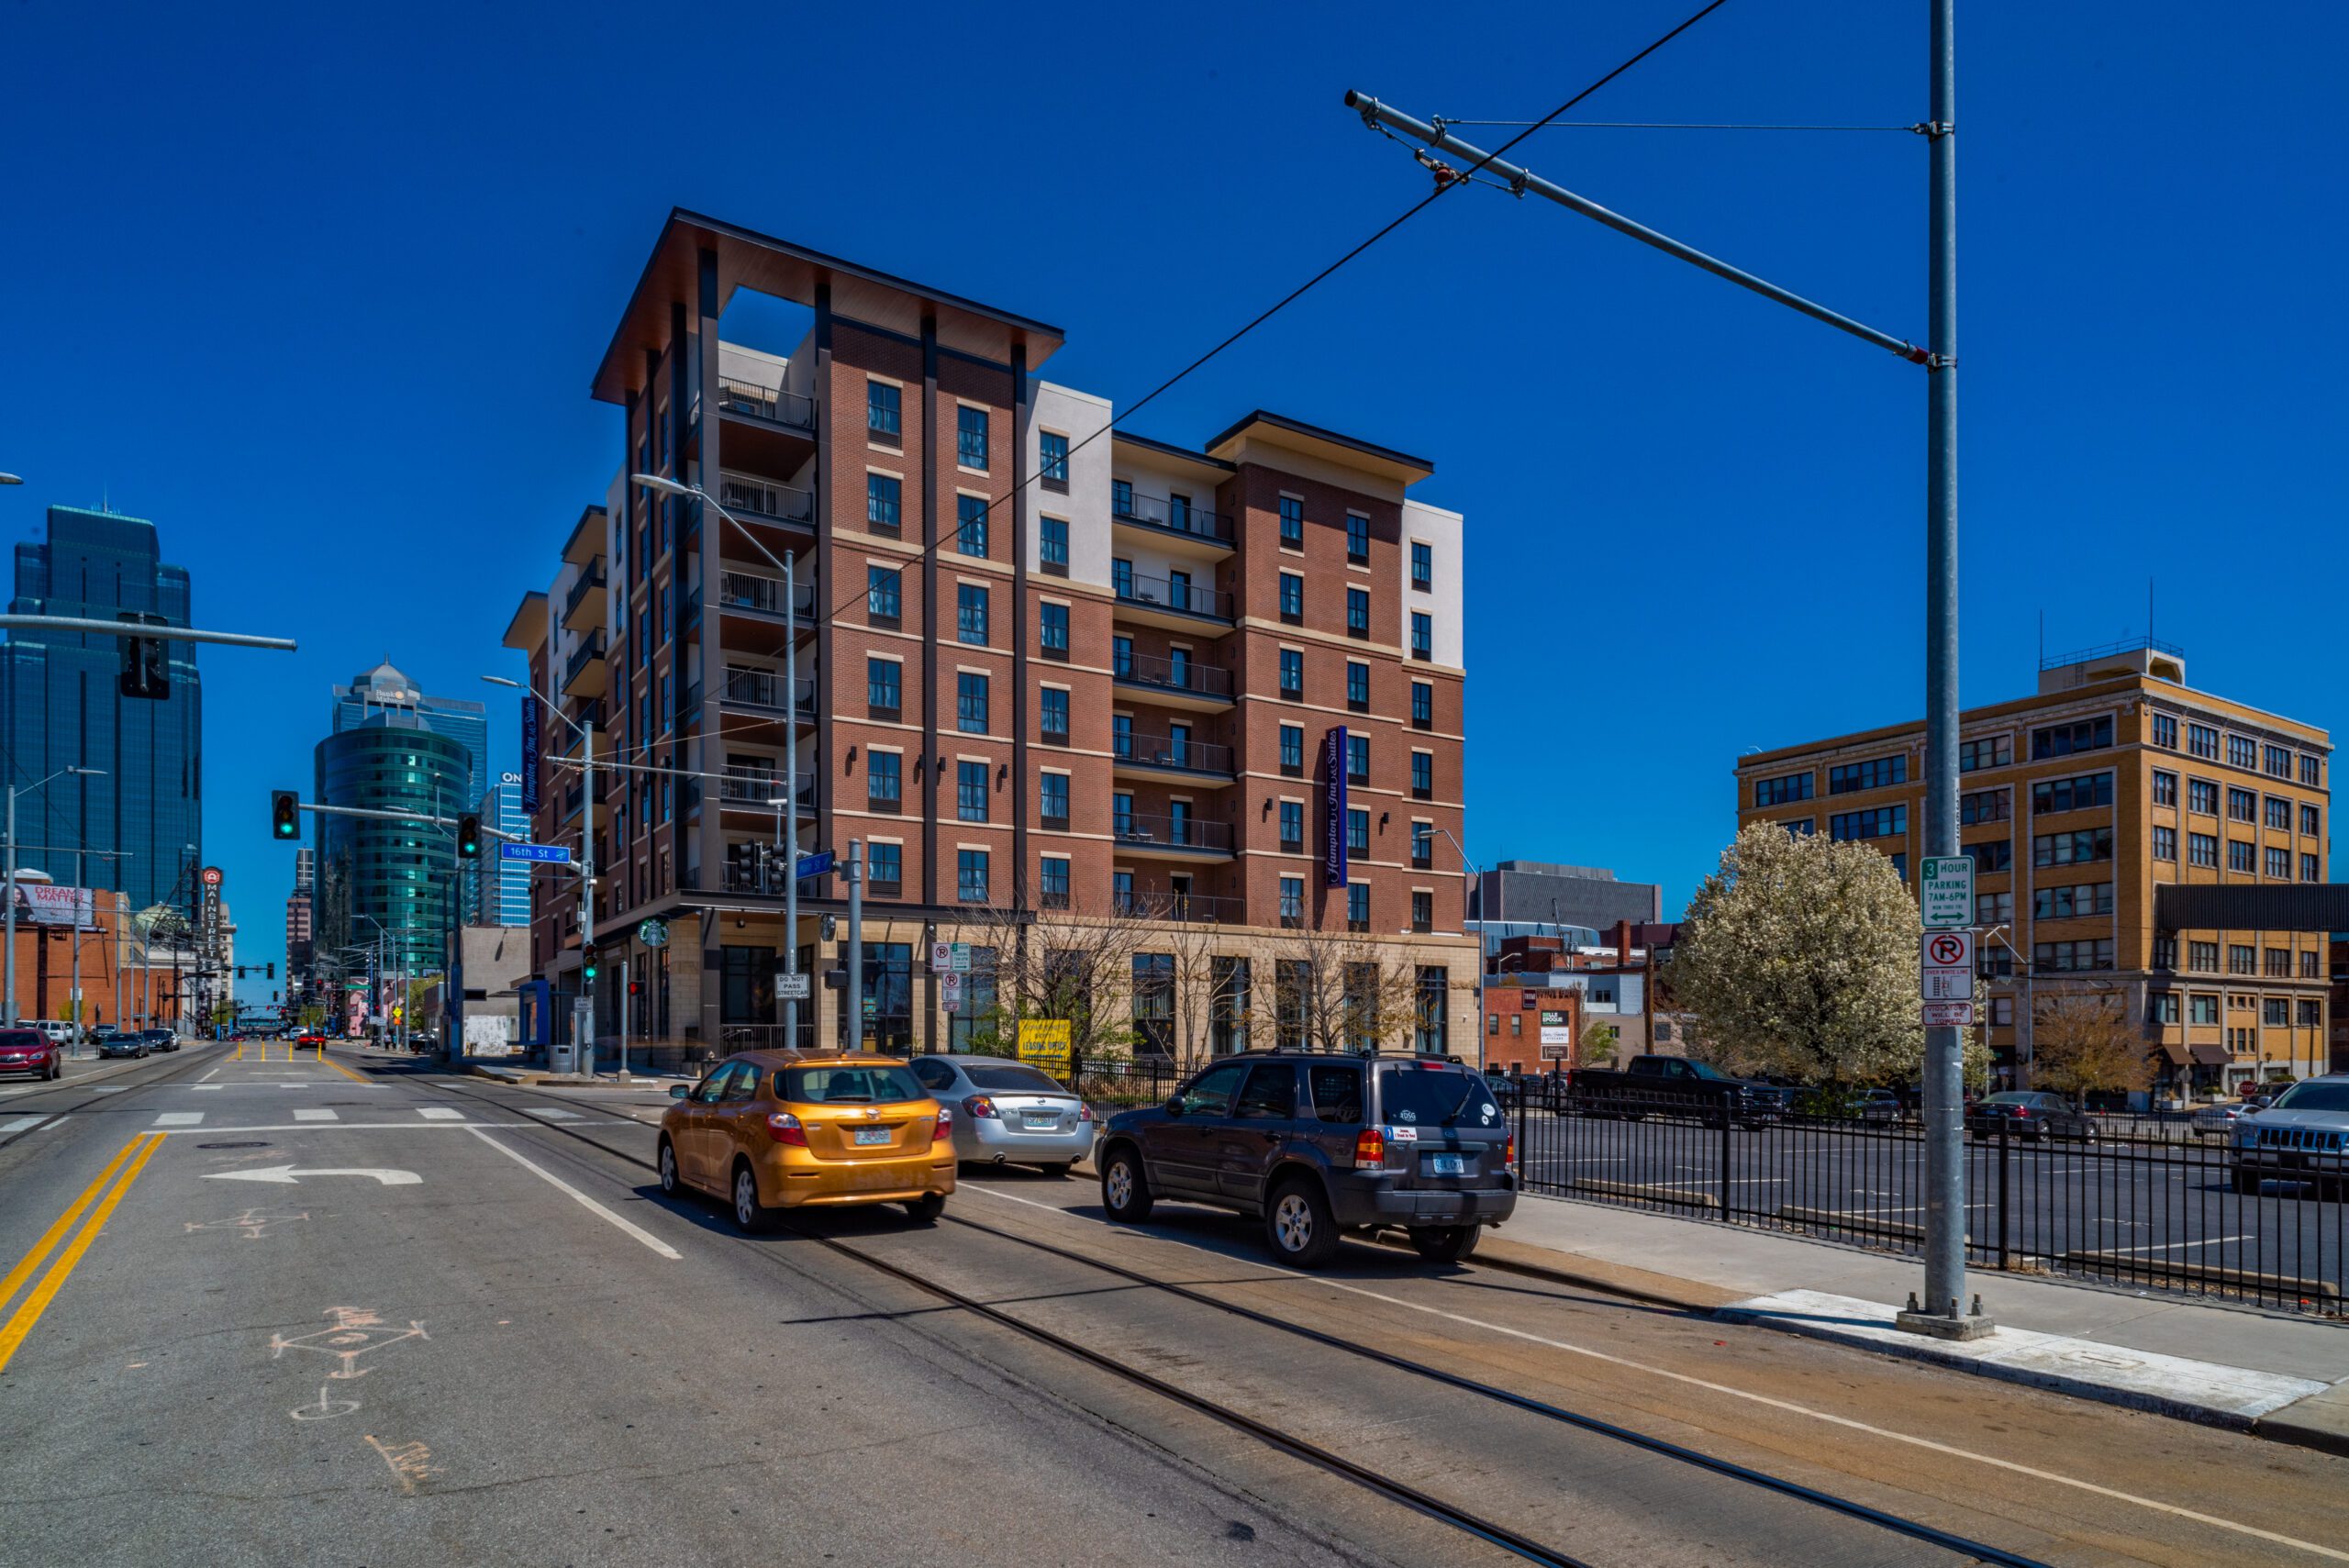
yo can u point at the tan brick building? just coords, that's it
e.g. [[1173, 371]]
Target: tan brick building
[[1035, 671], [2077, 803]]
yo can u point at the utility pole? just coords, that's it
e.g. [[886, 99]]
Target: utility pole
[[790, 799], [855, 1037], [8, 983], [588, 895]]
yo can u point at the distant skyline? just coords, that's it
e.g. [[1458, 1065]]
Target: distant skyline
[[334, 336]]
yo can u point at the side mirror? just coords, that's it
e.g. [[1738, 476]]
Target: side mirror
[[677, 1091], [1174, 1106]]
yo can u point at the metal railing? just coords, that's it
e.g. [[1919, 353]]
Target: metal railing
[[737, 395], [1156, 829], [761, 591], [1175, 675], [1190, 908], [1168, 593], [2122, 1201], [755, 786], [748, 495], [761, 688], [1171, 752], [1159, 512], [586, 583], [589, 650]]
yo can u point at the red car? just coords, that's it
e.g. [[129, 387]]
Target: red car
[[29, 1051]]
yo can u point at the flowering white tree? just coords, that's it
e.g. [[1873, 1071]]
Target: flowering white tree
[[1799, 957]]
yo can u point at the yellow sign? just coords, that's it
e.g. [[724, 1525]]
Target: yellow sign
[[1043, 1042]]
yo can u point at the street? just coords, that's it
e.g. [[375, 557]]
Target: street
[[302, 1308]]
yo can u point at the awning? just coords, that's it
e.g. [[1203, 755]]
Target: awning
[[2175, 1053], [2211, 1056]]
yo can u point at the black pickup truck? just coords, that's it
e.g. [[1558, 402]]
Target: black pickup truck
[[1674, 1086]]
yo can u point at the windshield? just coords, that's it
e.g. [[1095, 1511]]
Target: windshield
[[19, 1039], [847, 1085], [1012, 1076], [1427, 1096], [2011, 1098], [2313, 1097]]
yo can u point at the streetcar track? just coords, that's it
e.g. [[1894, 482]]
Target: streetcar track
[[63, 1086], [1313, 1454]]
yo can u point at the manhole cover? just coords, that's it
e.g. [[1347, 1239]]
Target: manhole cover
[[252, 1143]]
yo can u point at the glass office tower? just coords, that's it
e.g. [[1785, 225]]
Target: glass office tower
[[394, 881]]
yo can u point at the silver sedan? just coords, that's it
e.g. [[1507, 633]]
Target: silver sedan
[[1007, 1113]]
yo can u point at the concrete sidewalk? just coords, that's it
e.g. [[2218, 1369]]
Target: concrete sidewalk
[[531, 1077], [2286, 1378]]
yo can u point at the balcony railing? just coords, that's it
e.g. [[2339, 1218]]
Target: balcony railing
[[1197, 908], [1155, 828], [761, 688], [738, 395], [586, 583], [586, 653], [1172, 674], [748, 495], [752, 786], [1171, 593], [758, 591], [1171, 752], [1175, 516]]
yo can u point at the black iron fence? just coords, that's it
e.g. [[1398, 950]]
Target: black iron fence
[[2139, 1202]]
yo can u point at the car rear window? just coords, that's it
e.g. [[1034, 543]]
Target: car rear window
[[1429, 1096], [1012, 1076], [2314, 1097], [847, 1085]]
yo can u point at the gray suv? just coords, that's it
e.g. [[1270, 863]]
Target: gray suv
[[1317, 1146]]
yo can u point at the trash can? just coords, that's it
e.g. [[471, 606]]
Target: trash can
[[562, 1056]]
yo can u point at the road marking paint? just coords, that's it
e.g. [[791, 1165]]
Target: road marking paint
[[410, 1462], [31, 1261], [22, 1123], [344, 1070], [55, 1122], [2174, 1246], [180, 1119], [108, 1088], [356, 1126], [36, 1302], [199, 1088], [439, 1113], [551, 1115], [316, 1115], [207, 1076], [1788, 1405], [556, 1182]]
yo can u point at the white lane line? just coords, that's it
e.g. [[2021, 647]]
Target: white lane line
[[200, 1088], [358, 1126], [2170, 1247], [439, 1113], [207, 1076], [1787, 1405], [180, 1119], [22, 1123], [108, 1088], [316, 1115], [551, 1115], [584, 1200], [60, 1122]]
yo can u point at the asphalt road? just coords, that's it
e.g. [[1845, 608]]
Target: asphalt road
[[470, 1330], [2123, 1207]]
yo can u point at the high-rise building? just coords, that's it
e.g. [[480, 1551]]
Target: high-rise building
[[497, 891], [1214, 690], [1533, 894], [138, 826], [386, 689], [2078, 804], [388, 882]]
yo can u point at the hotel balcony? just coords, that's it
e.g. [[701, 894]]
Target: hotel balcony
[[1172, 755], [1169, 520], [584, 605], [1148, 835], [586, 674], [1174, 601], [759, 595], [1177, 682]]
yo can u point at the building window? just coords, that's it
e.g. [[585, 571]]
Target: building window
[[2277, 761], [2310, 820], [1422, 845], [2064, 740], [1292, 901], [2242, 753], [1052, 629], [1053, 454], [2240, 856], [1121, 497], [2075, 899], [1985, 805], [1423, 565], [1358, 759], [2243, 805], [2202, 958], [1357, 612], [971, 612], [1052, 549], [883, 787], [1423, 704], [1055, 713], [882, 497], [1878, 773], [1357, 832], [1292, 826], [2166, 844], [1292, 750], [1054, 883], [971, 703], [881, 602], [2046, 957], [1992, 961], [2202, 849], [2203, 1008], [970, 792], [882, 412], [1423, 909], [971, 526], [2279, 864], [2279, 963], [2165, 731], [1358, 906], [2309, 868], [883, 688], [971, 875], [2164, 952], [2202, 795], [1422, 636], [2072, 849], [1881, 822], [2312, 770], [971, 437], [2161, 1008], [1292, 523], [1781, 791], [2164, 788], [1357, 538], [2201, 740], [884, 867], [2279, 814], [1990, 752], [1993, 908], [1292, 598], [1121, 734], [1357, 686], [1051, 799], [2081, 793], [2242, 959], [1800, 827], [1292, 672], [2276, 1012], [1422, 775]]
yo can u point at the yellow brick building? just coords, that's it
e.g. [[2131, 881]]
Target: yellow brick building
[[2077, 803]]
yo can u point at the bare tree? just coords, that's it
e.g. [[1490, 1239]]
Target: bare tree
[[2083, 1042], [1339, 991], [1076, 966]]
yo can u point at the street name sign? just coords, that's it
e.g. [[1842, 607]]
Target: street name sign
[[1949, 1014], [1946, 892], [553, 854], [816, 865], [1945, 966]]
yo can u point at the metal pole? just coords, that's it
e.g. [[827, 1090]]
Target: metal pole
[[624, 1001], [1943, 1309], [587, 892], [80, 1012], [11, 960], [855, 944], [790, 798]]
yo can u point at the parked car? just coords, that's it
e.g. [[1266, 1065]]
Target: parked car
[[1007, 1112], [131, 1045], [776, 1130], [2218, 1118], [57, 1031], [1317, 1146], [2302, 1136], [1674, 1086], [159, 1039], [2029, 1113], [1877, 1104], [32, 1053]]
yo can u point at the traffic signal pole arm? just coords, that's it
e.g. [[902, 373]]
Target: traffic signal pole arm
[[405, 817], [146, 632]]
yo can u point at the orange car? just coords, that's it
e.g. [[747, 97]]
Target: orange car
[[775, 1129]]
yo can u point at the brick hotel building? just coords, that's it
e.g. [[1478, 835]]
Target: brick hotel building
[[1035, 672]]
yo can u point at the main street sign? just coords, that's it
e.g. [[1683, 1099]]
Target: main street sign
[[1945, 966], [553, 854], [1945, 893]]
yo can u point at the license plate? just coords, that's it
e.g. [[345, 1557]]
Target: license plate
[[871, 1135], [1043, 1118], [1446, 1164]]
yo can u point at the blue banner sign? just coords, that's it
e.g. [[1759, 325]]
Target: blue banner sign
[[530, 751], [557, 854], [1333, 807]]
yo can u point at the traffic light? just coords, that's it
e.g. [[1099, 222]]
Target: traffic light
[[285, 814], [145, 671], [636, 987], [587, 962], [468, 838]]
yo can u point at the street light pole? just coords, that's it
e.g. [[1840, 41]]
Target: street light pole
[[1478, 878], [586, 858]]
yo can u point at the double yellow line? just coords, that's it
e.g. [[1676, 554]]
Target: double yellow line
[[126, 1166]]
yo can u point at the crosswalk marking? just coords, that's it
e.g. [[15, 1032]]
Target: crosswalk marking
[[108, 1088], [180, 1119], [316, 1115], [551, 1114], [201, 1088], [21, 1123], [439, 1113]]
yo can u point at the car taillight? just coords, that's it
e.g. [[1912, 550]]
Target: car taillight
[[1370, 1147], [784, 1128], [2022, 1110], [979, 1105], [1509, 1152], [945, 1128], [1084, 1111]]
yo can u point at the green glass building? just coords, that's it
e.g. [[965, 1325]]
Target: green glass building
[[396, 873]]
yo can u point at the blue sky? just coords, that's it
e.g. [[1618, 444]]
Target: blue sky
[[320, 291]]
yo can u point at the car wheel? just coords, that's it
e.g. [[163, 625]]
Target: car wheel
[[2247, 1182], [749, 1214], [1299, 1226], [1125, 1191], [925, 1208], [1054, 1173], [672, 1183], [1445, 1243]]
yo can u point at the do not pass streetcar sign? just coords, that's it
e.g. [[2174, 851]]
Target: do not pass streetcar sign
[[1946, 892]]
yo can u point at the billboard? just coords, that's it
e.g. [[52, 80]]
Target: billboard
[[47, 904], [1333, 807]]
